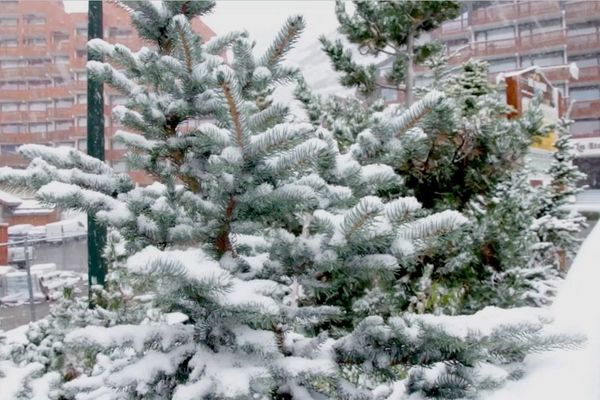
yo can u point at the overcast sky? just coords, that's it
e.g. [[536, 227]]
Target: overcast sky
[[261, 18]]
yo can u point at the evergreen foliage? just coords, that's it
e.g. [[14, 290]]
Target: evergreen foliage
[[389, 28], [277, 259]]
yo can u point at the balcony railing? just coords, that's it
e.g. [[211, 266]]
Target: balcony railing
[[577, 9], [586, 109], [13, 160], [589, 41], [589, 74], [513, 11], [537, 41]]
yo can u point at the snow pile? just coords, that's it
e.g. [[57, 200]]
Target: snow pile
[[568, 374]]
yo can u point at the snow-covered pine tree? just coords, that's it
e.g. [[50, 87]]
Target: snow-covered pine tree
[[455, 149], [257, 234], [556, 225], [226, 165], [388, 28]]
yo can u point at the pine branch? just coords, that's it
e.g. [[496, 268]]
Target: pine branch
[[414, 113], [290, 32]]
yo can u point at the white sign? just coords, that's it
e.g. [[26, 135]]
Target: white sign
[[587, 147]]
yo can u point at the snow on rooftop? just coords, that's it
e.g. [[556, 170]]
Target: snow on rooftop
[[31, 206], [9, 199]]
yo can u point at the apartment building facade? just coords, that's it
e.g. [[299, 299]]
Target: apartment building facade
[[43, 81], [513, 35]]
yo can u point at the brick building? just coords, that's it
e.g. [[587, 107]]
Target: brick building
[[43, 78], [514, 35]]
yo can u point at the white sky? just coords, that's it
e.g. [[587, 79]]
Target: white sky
[[261, 18]]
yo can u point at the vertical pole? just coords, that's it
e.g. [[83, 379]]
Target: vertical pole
[[410, 72], [3, 246], [95, 148], [29, 283]]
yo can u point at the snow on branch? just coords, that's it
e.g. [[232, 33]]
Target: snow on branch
[[286, 37], [362, 216], [414, 113], [432, 225], [274, 114], [218, 44], [65, 157], [280, 136], [71, 196], [302, 155], [233, 97], [397, 211], [106, 73], [134, 140]]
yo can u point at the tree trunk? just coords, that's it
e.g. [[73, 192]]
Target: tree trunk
[[410, 73]]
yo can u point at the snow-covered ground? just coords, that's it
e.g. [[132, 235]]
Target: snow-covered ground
[[568, 374]]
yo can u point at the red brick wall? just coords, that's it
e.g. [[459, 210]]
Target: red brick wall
[[33, 219]]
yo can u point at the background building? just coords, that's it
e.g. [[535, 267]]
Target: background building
[[513, 35], [43, 77]]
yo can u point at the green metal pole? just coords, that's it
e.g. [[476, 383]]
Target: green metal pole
[[95, 148]]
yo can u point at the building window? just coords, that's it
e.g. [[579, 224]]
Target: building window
[[60, 59], [12, 63], [38, 61], [119, 33], [584, 126], [82, 98], [58, 81], [39, 83], [82, 122], [389, 94], [81, 53], [39, 106], [503, 64], [9, 106], [586, 60], [585, 93], [8, 21], [35, 41], [81, 31], [60, 37], [495, 34], [81, 76], [533, 28], [65, 144], [82, 144], [64, 103], [12, 128], [35, 19], [39, 127], [584, 28], [543, 59], [12, 85], [64, 125], [453, 45], [9, 148], [8, 42]]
